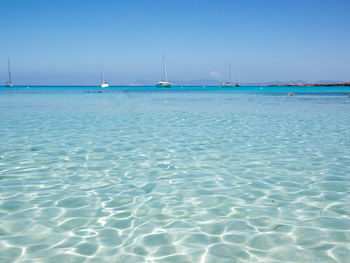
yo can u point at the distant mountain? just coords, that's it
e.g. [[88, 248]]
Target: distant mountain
[[301, 82], [328, 81]]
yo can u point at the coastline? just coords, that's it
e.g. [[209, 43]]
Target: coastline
[[342, 84]]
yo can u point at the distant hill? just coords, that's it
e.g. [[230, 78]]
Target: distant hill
[[339, 84], [291, 82]]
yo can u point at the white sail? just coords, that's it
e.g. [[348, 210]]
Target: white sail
[[9, 83], [230, 82], [164, 83], [104, 83]]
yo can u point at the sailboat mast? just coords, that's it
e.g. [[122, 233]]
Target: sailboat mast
[[8, 64], [165, 71], [237, 78], [103, 75], [230, 71]]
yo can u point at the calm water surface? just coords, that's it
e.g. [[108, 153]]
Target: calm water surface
[[183, 175]]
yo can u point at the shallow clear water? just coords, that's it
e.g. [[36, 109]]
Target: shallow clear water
[[174, 176]]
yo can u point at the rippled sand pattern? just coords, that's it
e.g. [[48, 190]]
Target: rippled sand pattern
[[174, 177]]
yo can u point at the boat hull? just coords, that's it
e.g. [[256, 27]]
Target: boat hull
[[163, 85], [227, 85]]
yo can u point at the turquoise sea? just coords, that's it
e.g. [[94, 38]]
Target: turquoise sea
[[188, 174]]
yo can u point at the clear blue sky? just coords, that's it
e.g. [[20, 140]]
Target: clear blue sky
[[67, 41]]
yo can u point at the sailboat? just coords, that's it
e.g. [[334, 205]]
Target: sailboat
[[230, 83], [9, 83], [104, 83], [237, 84], [164, 83]]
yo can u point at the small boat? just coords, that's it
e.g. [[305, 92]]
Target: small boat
[[228, 84], [9, 83], [237, 84], [164, 82], [104, 84]]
